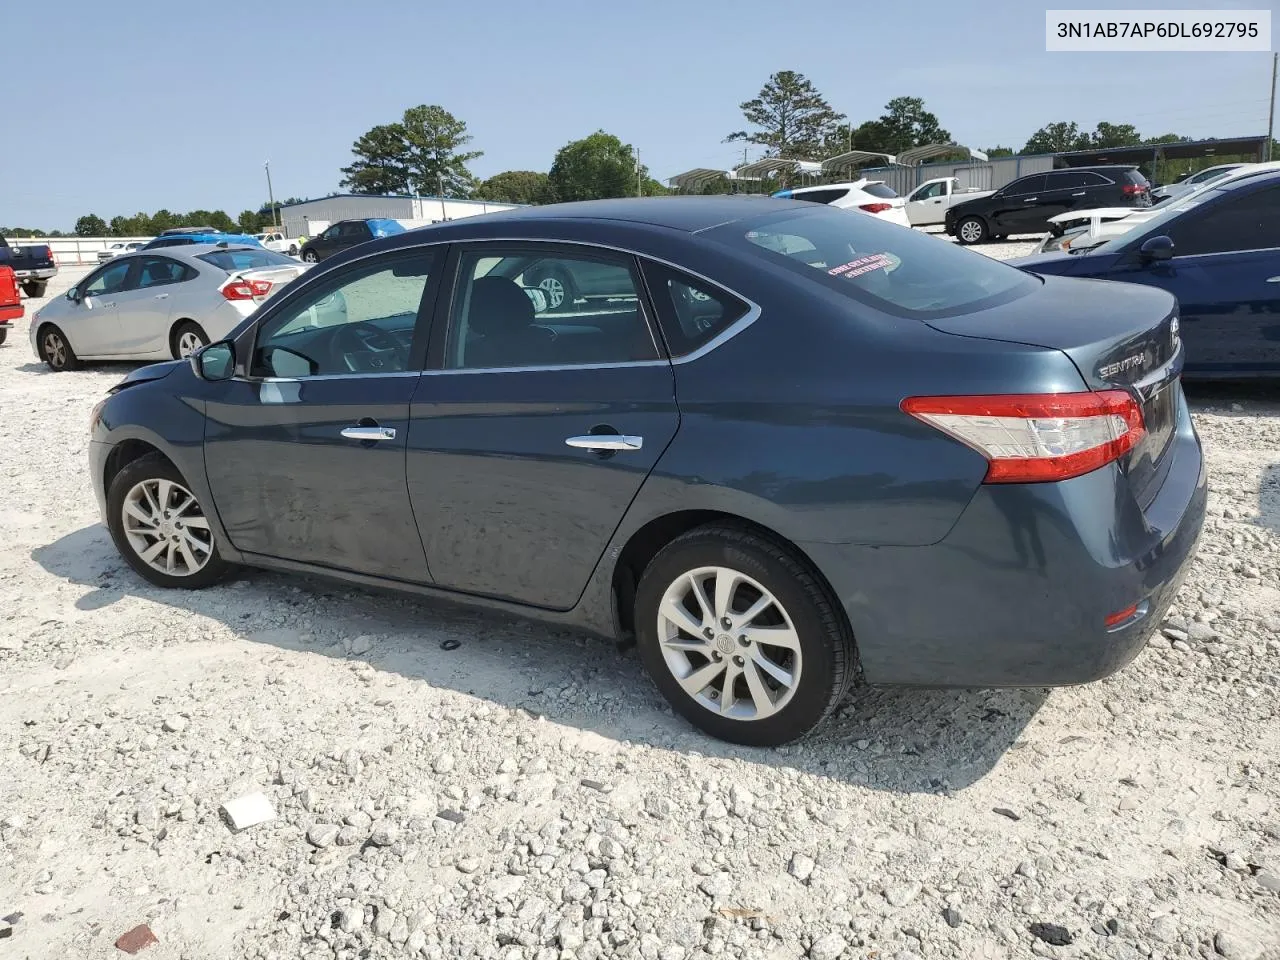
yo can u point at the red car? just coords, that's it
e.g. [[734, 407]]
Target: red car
[[10, 301]]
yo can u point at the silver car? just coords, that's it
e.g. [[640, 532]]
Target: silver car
[[158, 305], [1184, 186]]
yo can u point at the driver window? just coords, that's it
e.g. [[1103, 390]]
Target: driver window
[[110, 280], [929, 192], [361, 321]]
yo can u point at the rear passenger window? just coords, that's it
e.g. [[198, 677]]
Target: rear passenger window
[[820, 196], [527, 307], [692, 313]]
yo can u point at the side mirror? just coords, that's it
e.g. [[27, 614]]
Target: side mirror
[[215, 362], [1156, 248]]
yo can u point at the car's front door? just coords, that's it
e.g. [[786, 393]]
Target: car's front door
[[534, 428], [1015, 210], [93, 324], [927, 204], [145, 309], [305, 454], [1225, 273], [327, 243]]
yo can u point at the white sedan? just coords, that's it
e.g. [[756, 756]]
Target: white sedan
[[158, 305], [120, 249]]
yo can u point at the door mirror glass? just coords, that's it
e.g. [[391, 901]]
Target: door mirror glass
[[1157, 248], [73, 295], [215, 362]]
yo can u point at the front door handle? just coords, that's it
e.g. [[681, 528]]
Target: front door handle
[[606, 441], [1273, 279], [162, 296], [1080, 194], [1031, 200], [369, 433], [106, 304]]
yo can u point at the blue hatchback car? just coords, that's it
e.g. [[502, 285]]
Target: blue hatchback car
[[1218, 252], [779, 446]]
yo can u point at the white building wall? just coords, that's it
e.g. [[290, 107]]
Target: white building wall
[[308, 219]]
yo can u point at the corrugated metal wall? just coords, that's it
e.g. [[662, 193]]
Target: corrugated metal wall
[[310, 218], [985, 176]]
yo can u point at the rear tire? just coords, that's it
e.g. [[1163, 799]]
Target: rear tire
[[4, 333], [35, 288], [785, 682], [293, 249], [187, 337], [157, 523], [972, 230], [55, 349]]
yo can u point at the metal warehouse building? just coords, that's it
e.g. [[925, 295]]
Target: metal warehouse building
[[310, 217]]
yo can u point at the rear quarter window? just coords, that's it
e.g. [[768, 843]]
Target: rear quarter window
[[691, 312], [880, 190], [235, 260]]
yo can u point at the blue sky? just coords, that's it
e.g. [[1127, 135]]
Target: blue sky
[[102, 119]]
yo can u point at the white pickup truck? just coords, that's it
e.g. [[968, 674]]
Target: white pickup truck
[[927, 204], [278, 242]]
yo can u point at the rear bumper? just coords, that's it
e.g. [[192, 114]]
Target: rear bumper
[[8, 314], [43, 273], [1017, 594]]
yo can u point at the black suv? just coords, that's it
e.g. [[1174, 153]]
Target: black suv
[[347, 233], [1026, 204]]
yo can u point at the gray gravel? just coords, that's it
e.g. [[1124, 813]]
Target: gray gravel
[[528, 795]]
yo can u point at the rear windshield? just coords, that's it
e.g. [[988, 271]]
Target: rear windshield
[[252, 259], [1135, 176], [890, 268], [880, 190]]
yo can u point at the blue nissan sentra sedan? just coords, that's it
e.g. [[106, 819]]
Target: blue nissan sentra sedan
[[780, 446]]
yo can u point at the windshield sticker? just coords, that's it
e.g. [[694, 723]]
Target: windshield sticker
[[856, 268]]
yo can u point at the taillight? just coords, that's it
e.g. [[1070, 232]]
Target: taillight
[[1131, 189], [875, 207], [1032, 438], [245, 289]]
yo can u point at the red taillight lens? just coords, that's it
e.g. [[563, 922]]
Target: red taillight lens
[[1033, 438], [246, 289], [1132, 189], [1120, 616], [875, 207]]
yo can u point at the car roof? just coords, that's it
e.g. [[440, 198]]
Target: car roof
[[192, 250], [689, 214]]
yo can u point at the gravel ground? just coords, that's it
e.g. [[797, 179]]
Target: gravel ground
[[448, 785]]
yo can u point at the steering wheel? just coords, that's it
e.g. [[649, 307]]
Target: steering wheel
[[365, 346]]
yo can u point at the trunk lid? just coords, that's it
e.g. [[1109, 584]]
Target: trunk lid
[[1118, 335], [278, 277]]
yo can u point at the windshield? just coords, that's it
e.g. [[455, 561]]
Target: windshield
[[891, 268], [1153, 225], [246, 259]]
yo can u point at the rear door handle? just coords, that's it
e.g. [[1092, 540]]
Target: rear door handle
[[1273, 279], [606, 441], [1080, 194], [1031, 200], [106, 304], [369, 433], [162, 296]]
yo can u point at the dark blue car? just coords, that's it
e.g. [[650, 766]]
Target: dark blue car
[[780, 446], [1218, 252]]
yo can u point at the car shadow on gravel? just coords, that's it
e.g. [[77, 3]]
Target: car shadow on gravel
[[1269, 498], [892, 739]]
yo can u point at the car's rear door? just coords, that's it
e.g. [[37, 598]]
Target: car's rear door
[[531, 432], [305, 454], [353, 232]]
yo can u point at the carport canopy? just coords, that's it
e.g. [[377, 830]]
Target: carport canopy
[[918, 155], [1180, 150], [856, 158]]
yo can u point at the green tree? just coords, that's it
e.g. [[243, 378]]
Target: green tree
[[790, 118], [994, 152], [516, 186], [1115, 135], [1057, 138], [250, 221], [434, 139], [594, 167], [381, 164], [91, 225], [906, 124]]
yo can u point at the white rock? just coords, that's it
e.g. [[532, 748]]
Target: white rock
[[248, 811], [174, 724], [902, 894], [828, 947]]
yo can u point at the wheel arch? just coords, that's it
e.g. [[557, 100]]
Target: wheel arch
[[648, 540], [128, 451]]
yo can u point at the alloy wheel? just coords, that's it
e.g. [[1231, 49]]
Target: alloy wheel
[[971, 231], [166, 528], [55, 350], [555, 291], [729, 643], [188, 343]]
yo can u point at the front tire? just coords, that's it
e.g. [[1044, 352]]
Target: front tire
[[742, 637], [310, 256], [186, 339], [160, 528], [972, 230], [55, 350]]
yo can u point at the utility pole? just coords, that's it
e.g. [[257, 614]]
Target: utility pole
[[271, 198], [1271, 114], [639, 184]]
